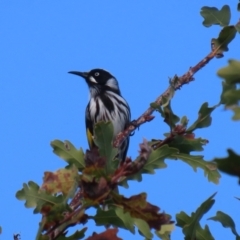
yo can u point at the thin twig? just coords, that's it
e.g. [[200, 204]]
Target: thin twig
[[146, 116], [53, 233]]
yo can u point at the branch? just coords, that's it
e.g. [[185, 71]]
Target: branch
[[147, 115], [129, 167], [56, 230]]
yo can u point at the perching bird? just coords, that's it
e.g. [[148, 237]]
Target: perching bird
[[105, 104]]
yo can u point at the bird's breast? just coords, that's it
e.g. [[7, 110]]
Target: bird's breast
[[110, 107]]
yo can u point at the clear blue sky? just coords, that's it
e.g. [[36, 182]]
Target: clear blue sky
[[142, 44]]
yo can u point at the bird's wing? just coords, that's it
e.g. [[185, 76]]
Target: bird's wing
[[89, 128]]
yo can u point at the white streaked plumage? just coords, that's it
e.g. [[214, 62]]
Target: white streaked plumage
[[118, 116], [105, 104]]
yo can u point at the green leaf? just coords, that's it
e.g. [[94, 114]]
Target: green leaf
[[201, 233], [231, 94], [115, 217], [231, 73], [226, 221], [204, 117], [0, 230], [236, 115], [226, 35], [143, 228], [213, 16], [209, 168], [126, 218], [226, 91], [191, 224], [139, 208], [103, 137], [187, 145], [182, 219], [69, 153], [230, 164], [237, 26], [155, 161], [204, 233], [75, 236], [169, 117], [165, 231], [184, 121], [231, 97], [166, 112], [37, 198]]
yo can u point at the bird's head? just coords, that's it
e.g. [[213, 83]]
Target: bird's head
[[99, 80]]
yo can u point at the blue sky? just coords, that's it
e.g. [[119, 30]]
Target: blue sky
[[142, 44]]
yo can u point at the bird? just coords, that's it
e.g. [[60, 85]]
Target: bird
[[106, 104]]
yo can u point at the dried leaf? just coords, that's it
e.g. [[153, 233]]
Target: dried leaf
[[109, 234], [62, 181], [139, 208]]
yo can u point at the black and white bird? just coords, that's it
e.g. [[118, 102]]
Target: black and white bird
[[106, 104]]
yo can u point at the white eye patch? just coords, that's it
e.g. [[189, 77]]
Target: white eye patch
[[92, 79]]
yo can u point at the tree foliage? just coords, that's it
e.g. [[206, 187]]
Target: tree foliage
[[91, 178]]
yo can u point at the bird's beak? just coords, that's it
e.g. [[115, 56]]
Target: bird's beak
[[81, 74]]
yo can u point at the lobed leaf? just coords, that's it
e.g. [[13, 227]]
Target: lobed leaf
[[166, 112], [75, 236], [204, 117], [186, 144], [126, 219], [155, 161], [237, 26], [165, 231], [231, 73], [209, 168], [63, 181], [226, 94], [191, 224], [139, 208], [230, 164], [231, 94], [143, 228], [204, 233], [226, 35], [213, 16], [69, 153], [109, 234], [226, 221], [103, 137], [37, 198], [115, 217]]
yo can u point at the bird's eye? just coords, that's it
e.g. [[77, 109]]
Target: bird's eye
[[96, 74]]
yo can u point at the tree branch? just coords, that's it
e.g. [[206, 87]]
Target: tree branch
[[176, 84]]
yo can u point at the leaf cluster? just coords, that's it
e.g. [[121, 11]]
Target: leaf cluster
[[91, 178], [213, 16]]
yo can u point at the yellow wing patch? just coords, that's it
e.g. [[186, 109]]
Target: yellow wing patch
[[90, 138]]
